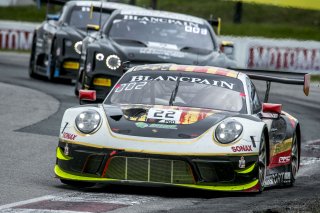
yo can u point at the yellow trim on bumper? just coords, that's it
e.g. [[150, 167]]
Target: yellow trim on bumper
[[222, 188], [61, 155], [64, 175], [71, 65], [247, 170]]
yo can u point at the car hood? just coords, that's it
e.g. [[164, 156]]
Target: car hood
[[160, 53], [133, 120]]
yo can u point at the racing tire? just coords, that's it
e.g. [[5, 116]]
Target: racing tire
[[77, 184], [262, 162], [294, 164], [78, 85], [32, 65]]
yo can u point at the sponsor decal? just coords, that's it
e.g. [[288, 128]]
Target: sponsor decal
[[130, 86], [242, 148], [277, 178], [285, 159], [242, 163], [69, 136], [162, 45], [223, 84], [159, 126], [152, 19], [156, 51], [283, 58]]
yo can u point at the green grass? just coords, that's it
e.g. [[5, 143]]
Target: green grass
[[257, 20]]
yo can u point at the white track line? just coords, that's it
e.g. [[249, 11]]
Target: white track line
[[20, 203]]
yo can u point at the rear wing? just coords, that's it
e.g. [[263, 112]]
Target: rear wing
[[304, 80]]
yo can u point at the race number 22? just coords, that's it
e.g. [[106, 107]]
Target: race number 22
[[164, 115]]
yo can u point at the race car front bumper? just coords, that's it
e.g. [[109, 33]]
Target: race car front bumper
[[219, 173]]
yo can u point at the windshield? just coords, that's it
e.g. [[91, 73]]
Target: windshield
[[162, 32], [180, 89], [80, 17]]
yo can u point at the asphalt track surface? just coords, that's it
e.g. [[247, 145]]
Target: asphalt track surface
[[30, 116]]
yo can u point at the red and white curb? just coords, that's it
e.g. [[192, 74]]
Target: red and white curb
[[77, 202]]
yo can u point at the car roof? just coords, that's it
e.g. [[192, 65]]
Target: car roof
[[188, 68], [164, 14], [108, 5]]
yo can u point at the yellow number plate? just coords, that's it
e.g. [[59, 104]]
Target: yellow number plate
[[105, 82]]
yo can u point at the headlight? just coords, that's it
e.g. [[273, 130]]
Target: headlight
[[99, 56], [228, 131], [78, 47], [88, 121], [113, 62]]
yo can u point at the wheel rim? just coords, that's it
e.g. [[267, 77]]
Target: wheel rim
[[294, 157], [262, 161]]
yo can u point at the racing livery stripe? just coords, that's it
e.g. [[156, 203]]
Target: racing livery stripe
[[246, 170], [62, 156], [223, 188], [190, 68], [160, 153]]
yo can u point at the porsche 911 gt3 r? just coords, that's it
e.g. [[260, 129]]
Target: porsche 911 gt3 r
[[187, 126]]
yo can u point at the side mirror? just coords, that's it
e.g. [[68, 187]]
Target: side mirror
[[227, 47], [272, 108], [215, 22], [87, 95], [53, 17], [93, 27]]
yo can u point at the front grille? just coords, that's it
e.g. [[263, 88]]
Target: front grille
[[216, 172], [149, 170]]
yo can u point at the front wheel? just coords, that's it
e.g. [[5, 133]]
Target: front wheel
[[32, 62], [77, 184], [262, 162]]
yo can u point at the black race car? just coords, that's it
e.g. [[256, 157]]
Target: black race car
[[144, 37], [54, 52]]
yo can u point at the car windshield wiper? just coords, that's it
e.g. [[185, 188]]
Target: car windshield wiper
[[174, 92], [130, 41]]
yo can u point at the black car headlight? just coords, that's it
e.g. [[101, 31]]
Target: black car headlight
[[113, 62], [228, 131], [88, 121]]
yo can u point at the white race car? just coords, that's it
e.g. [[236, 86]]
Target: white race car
[[186, 126]]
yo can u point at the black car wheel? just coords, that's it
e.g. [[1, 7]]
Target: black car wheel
[[262, 162], [294, 165], [32, 62], [78, 86], [77, 184]]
